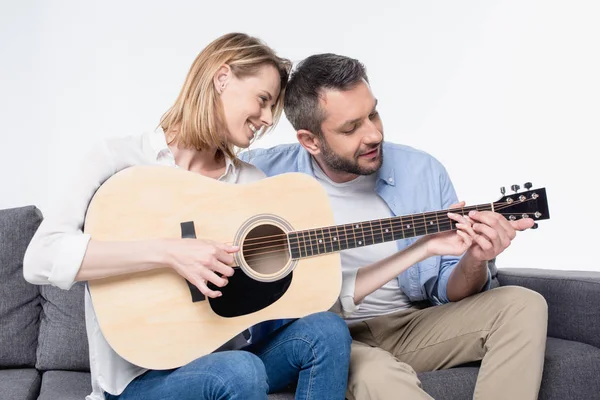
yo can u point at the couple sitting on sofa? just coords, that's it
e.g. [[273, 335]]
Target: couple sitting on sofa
[[236, 90]]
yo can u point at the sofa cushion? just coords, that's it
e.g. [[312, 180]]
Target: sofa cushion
[[19, 384], [450, 384], [65, 385], [571, 371], [19, 300], [63, 341], [572, 297]]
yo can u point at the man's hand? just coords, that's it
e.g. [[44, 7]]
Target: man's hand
[[493, 233]]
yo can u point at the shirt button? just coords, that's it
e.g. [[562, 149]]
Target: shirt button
[[390, 180]]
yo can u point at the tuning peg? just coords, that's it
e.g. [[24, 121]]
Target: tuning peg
[[535, 225], [503, 190], [515, 188], [527, 185]]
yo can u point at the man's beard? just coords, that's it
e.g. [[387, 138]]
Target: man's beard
[[352, 166]]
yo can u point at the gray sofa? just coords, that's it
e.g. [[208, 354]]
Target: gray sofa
[[44, 353]]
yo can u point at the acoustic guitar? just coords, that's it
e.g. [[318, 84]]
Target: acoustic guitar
[[288, 265]]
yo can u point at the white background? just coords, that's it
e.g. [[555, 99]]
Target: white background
[[500, 92]]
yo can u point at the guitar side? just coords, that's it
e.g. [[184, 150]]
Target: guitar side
[[148, 318]]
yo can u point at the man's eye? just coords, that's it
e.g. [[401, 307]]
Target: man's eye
[[350, 131], [374, 115]]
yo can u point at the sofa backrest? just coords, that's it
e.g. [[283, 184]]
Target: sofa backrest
[[40, 326], [20, 302]]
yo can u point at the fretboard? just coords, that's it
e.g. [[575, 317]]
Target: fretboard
[[314, 242]]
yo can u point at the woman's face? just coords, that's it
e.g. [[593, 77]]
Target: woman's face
[[247, 102]]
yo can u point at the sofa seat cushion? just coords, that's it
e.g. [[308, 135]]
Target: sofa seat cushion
[[571, 371], [450, 384], [19, 384], [65, 385]]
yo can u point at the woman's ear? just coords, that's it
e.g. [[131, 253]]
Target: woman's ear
[[221, 78]]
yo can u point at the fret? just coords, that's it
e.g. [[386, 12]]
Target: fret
[[381, 227], [294, 250], [327, 239], [412, 218], [345, 239], [431, 223], [303, 245], [387, 231], [437, 222], [322, 243], [370, 239], [310, 243], [445, 223], [354, 235], [402, 227], [315, 242], [335, 242], [420, 228], [345, 243], [361, 237]]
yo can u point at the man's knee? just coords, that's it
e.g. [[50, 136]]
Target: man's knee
[[522, 306], [382, 376], [519, 297]]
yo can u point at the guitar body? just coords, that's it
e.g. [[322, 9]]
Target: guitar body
[[150, 318]]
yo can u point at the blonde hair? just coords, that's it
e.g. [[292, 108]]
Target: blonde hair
[[197, 115]]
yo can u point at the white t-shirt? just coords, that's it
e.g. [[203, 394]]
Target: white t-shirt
[[356, 201]]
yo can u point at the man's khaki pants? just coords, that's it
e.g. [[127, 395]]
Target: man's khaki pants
[[505, 328]]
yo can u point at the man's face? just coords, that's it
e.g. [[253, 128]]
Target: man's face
[[352, 131]]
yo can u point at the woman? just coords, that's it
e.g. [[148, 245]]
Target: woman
[[232, 93]]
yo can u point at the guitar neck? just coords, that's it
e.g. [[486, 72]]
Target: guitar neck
[[318, 241]]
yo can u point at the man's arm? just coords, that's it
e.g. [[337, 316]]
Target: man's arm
[[494, 234], [468, 278]]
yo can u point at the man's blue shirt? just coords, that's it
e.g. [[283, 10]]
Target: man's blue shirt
[[409, 181]]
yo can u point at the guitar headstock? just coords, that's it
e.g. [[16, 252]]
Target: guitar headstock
[[532, 203]]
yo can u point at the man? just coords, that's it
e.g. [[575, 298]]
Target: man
[[330, 105]]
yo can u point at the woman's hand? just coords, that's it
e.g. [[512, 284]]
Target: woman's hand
[[200, 261], [452, 243]]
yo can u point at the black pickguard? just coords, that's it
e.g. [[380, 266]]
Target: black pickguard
[[244, 295]]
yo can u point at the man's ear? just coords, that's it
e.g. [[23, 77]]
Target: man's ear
[[309, 141], [221, 78]]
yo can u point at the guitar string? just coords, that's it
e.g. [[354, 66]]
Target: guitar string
[[315, 247], [443, 214], [282, 241]]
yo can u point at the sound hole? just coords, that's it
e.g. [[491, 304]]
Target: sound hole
[[265, 249]]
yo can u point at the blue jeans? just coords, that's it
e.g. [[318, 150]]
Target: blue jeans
[[313, 351]]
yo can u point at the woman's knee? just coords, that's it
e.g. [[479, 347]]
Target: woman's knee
[[248, 374], [235, 375], [330, 330]]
